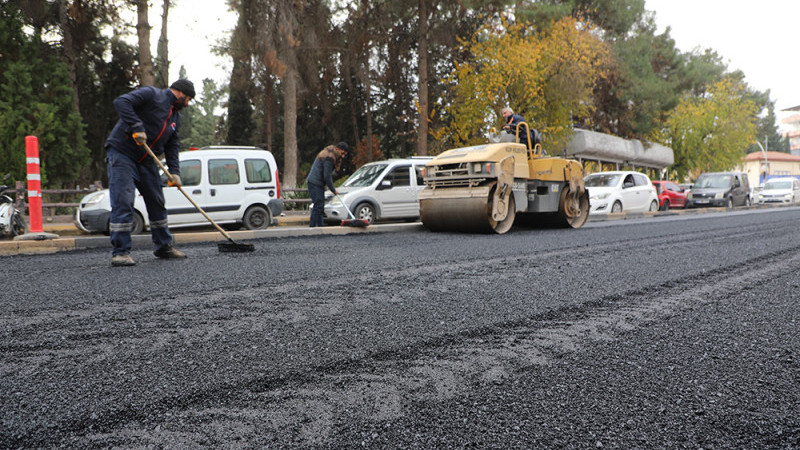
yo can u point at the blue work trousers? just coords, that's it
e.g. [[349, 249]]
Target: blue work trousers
[[317, 194], [125, 174]]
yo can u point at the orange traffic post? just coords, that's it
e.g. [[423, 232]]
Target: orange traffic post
[[34, 184]]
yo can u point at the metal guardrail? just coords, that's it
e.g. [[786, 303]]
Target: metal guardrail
[[298, 196]]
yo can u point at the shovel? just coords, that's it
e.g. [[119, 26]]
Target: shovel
[[231, 246]]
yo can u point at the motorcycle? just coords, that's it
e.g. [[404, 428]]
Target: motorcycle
[[11, 221]]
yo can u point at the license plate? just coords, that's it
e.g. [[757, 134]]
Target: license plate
[[701, 201]]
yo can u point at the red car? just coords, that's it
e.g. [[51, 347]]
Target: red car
[[670, 195]]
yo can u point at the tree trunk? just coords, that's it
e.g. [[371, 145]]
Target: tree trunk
[[145, 56], [422, 133], [368, 97], [163, 49], [351, 93], [69, 52], [290, 128]]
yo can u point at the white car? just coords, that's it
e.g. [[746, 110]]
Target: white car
[[380, 190], [234, 186], [780, 190], [615, 192]]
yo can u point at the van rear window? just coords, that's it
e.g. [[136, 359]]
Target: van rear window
[[257, 171]]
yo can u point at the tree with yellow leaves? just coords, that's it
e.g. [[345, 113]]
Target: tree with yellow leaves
[[711, 132], [546, 76]]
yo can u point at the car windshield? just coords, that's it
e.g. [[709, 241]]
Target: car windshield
[[769, 185], [602, 180], [714, 181], [365, 176]]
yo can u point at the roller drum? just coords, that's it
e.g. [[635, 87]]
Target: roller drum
[[468, 214], [467, 210]]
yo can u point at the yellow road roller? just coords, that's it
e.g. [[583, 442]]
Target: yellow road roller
[[488, 188]]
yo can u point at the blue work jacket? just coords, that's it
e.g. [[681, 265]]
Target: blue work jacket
[[150, 110]]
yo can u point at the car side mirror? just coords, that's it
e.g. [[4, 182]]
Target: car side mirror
[[627, 185], [385, 184]]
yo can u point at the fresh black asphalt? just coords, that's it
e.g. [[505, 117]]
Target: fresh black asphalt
[[667, 332]]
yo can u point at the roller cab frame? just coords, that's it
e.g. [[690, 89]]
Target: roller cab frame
[[491, 187]]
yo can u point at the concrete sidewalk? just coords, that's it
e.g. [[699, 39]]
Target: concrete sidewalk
[[71, 238]]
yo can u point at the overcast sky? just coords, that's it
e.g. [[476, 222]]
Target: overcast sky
[[757, 37]]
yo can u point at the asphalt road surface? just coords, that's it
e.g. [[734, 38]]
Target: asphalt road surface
[[668, 332]]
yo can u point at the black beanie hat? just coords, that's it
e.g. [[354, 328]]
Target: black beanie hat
[[185, 86], [343, 146]]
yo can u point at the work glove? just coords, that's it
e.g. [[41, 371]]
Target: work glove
[[140, 137], [175, 181]]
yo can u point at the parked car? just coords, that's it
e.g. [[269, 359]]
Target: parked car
[[620, 191], [727, 189], [670, 195], [380, 190], [234, 185], [780, 190]]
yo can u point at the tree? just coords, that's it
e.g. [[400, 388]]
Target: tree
[[240, 108], [288, 43], [162, 50], [147, 71], [711, 132], [422, 133], [204, 123], [547, 77], [37, 98]]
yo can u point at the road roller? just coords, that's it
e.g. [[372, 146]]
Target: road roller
[[489, 188]]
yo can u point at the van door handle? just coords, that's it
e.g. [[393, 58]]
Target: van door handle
[[196, 192], [213, 192]]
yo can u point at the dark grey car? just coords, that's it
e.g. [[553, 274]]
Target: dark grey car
[[727, 189]]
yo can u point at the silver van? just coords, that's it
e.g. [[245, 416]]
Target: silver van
[[380, 190]]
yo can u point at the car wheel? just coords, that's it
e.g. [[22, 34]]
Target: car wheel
[[616, 207], [730, 202], [666, 206], [256, 218], [365, 211], [747, 201], [653, 206], [138, 223]]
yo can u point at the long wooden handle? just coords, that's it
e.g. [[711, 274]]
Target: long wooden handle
[[180, 188]]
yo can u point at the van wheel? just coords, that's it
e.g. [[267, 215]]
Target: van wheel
[[730, 202], [256, 218], [365, 211]]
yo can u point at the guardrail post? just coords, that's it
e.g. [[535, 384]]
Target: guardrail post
[[19, 200], [34, 184]]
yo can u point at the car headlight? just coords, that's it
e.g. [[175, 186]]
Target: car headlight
[[482, 168], [95, 199], [719, 195], [601, 196], [787, 196], [334, 201]]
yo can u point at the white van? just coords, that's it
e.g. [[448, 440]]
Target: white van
[[234, 185], [380, 190]]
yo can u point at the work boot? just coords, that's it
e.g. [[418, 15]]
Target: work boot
[[122, 260], [169, 252]]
